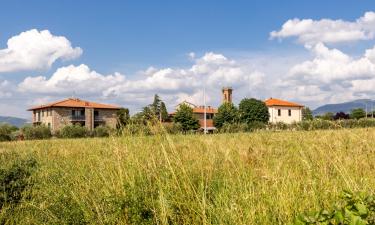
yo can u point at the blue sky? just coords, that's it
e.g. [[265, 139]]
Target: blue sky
[[129, 37]]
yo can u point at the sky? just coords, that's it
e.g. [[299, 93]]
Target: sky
[[124, 52]]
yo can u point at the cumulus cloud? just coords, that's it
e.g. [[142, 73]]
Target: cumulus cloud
[[35, 50], [173, 84], [331, 76], [328, 31], [69, 80]]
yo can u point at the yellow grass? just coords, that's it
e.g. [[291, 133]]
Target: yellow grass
[[253, 178]]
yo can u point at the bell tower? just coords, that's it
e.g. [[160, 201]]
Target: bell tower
[[227, 94]]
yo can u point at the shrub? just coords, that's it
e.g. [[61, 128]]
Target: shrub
[[14, 180], [351, 209], [6, 132], [172, 128], [102, 131], [36, 132], [233, 128], [357, 113], [73, 131], [255, 125]]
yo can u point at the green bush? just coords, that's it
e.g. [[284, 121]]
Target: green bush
[[6, 131], [36, 132], [233, 128], [256, 125], [172, 128], [14, 180], [353, 209], [102, 131], [73, 131]]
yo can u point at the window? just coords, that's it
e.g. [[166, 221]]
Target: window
[[42, 113], [279, 112], [49, 125], [289, 112]]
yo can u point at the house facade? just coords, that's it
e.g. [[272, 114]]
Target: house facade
[[284, 111], [74, 111]]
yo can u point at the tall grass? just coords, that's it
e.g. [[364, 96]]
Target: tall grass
[[249, 178]]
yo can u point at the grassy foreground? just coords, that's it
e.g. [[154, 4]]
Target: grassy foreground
[[254, 178]]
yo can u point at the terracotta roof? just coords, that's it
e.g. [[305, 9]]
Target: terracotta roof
[[75, 103], [279, 102], [201, 110]]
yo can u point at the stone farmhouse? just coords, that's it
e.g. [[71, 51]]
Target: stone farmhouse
[[74, 111]]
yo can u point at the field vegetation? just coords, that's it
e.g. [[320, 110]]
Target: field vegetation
[[262, 177]]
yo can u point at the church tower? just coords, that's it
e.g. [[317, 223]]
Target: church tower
[[227, 94]]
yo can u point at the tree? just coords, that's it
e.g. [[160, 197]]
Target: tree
[[341, 116], [327, 116], [357, 113], [251, 110], [123, 117], [156, 105], [307, 114], [184, 116], [227, 113], [163, 112]]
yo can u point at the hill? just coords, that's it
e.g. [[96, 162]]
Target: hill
[[345, 107], [18, 122]]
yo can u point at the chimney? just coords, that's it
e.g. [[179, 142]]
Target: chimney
[[227, 94]]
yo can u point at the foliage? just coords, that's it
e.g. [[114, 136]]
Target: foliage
[[307, 114], [233, 128], [341, 116], [357, 113], [14, 180], [172, 128], [227, 113], [123, 117], [164, 112], [327, 116], [156, 105], [184, 116], [251, 110], [73, 131], [6, 131], [36, 132], [353, 209], [102, 131]]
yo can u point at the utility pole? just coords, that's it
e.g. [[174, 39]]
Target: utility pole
[[205, 113]]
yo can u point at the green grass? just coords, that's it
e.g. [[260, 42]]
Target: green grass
[[253, 178]]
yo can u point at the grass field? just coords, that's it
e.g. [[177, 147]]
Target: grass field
[[253, 178]]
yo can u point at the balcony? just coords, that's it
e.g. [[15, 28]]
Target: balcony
[[98, 118], [77, 118]]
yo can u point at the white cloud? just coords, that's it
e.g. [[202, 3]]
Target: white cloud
[[330, 77], [71, 80], [34, 50], [310, 32], [214, 70]]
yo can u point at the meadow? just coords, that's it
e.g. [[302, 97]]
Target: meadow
[[263, 177]]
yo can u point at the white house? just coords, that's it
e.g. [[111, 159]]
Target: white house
[[284, 111]]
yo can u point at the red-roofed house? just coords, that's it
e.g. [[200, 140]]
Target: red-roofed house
[[284, 111], [74, 111]]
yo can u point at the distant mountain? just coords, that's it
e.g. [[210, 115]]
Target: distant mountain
[[18, 122], [345, 107]]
